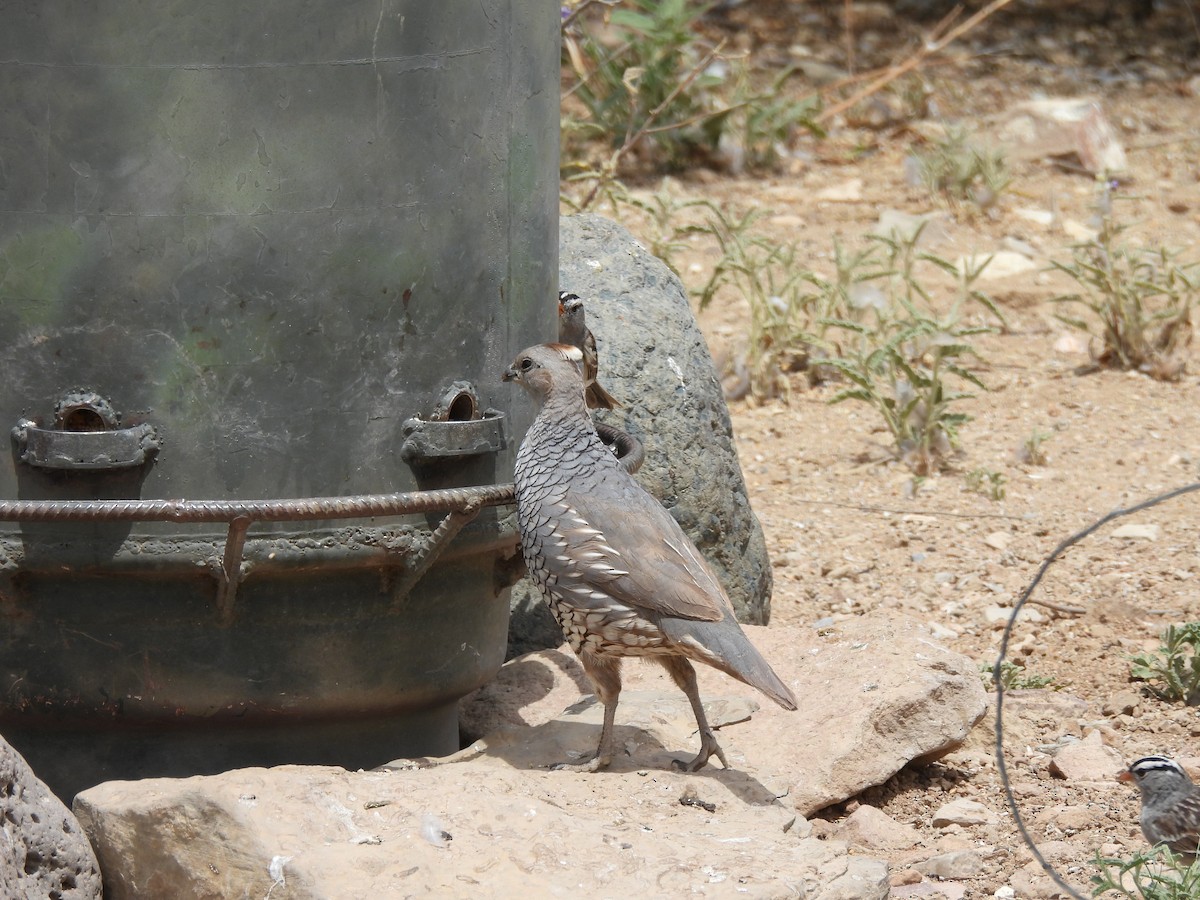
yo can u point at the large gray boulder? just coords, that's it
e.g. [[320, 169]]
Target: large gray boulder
[[43, 851], [654, 360]]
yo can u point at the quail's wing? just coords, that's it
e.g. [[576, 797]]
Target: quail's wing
[[625, 544]]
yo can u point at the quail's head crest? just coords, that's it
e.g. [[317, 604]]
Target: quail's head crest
[[567, 352]]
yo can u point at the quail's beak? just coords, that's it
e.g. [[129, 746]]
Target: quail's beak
[[510, 374], [1125, 776], [560, 308]]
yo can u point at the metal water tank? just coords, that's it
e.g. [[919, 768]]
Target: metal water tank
[[251, 252]]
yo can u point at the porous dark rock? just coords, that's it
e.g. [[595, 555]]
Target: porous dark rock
[[43, 852], [654, 360]]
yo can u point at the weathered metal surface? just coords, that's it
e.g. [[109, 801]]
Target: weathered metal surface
[[86, 436], [274, 233], [269, 235], [121, 448], [425, 441]]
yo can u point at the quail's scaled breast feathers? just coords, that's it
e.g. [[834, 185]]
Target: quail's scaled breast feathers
[[619, 574]]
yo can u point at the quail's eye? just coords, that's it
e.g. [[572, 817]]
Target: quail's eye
[[526, 364]]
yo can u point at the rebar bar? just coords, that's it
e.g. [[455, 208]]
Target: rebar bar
[[360, 506]]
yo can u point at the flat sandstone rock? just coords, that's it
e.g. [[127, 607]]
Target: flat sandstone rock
[[494, 820], [474, 828], [875, 693]]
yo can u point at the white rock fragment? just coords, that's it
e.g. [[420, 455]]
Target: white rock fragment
[[998, 540], [1065, 126], [902, 226], [964, 812], [1089, 760], [1069, 342], [1038, 216], [874, 829], [955, 864], [998, 616], [942, 632], [863, 879], [1016, 245], [1136, 531], [847, 192], [1077, 231]]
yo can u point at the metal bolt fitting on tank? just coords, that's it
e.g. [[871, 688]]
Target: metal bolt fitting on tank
[[87, 436]]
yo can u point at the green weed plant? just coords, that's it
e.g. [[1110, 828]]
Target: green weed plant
[[1153, 874], [1172, 671], [1140, 302]]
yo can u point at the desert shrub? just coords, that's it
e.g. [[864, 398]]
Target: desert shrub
[[648, 90], [958, 169], [903, 359], [1139, 300], [1153, 874], [1172, 671], [1013, 677]]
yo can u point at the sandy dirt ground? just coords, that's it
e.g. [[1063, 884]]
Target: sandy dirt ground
[[849, 529]]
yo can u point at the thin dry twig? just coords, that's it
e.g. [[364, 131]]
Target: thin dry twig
[[1058, 607], [848, 30], [566, 23], [933, 44]]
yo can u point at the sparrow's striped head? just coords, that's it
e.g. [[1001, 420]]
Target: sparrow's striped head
[[568, 302], [1152, 767]]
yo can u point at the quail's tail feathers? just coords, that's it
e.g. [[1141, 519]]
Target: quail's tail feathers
[[723, 645]]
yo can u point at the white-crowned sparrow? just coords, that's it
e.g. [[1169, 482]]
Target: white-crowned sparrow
[[573, 330], [1170, 803]]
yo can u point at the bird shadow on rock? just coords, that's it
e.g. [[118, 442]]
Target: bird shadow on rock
[[527, 691], [654, 735]]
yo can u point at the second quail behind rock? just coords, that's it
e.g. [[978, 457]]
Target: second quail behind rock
[[1170, 803], [573, 330], [619, 574]]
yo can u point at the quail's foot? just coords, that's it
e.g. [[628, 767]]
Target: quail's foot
[[708, 747], [595, 764]]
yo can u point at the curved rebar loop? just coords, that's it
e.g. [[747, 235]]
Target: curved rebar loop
[[629, 449], [1008, 629]]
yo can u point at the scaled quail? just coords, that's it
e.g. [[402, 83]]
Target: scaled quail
[[573, 330], [619, 574]]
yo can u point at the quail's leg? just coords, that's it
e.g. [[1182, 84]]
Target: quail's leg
[[605, 675], [685, 676]]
